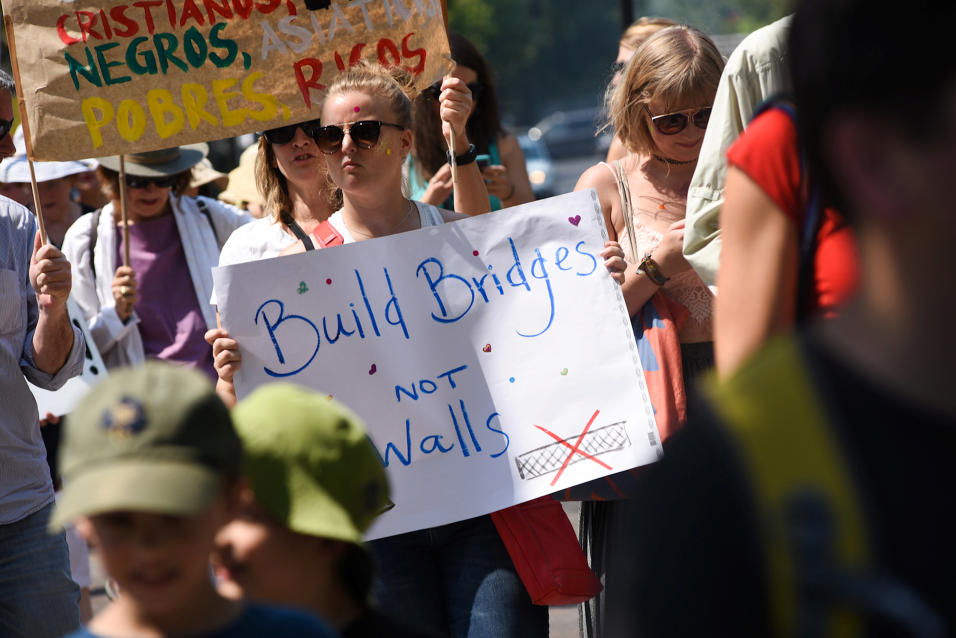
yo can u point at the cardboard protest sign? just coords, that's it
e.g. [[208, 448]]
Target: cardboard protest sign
[[62, 401], [492, 358], [105, 77]]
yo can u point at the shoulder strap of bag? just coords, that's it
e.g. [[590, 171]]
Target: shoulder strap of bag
[[806, 502], [94, 235], [325, 235], [205, 211], [627, 210], [297, 230]]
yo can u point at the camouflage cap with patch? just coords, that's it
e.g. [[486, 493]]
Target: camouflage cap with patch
[[155, 438]]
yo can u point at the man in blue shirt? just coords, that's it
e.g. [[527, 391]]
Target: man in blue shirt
[[37, 342]]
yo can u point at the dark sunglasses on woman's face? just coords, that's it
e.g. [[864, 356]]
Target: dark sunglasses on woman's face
[[5, 126], [364, 133], [674, 123], [434, 91], [138, 181], [284, 134]]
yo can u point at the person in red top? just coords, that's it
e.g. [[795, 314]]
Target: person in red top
[[764, 215]]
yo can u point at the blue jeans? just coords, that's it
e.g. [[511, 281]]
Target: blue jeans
[[457, 580], [38, 598]]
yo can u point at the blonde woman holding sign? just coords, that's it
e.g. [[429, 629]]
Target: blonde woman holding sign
[[660, 110], [293, 178], [455, 579]]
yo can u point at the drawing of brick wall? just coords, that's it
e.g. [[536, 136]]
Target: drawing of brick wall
[[550, 458]]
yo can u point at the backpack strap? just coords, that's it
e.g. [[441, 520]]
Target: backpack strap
[[325, 235], [94, 235], [205, 211], [807, 508], [812, 212]]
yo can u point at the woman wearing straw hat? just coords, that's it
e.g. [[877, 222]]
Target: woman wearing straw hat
[[156, 306]]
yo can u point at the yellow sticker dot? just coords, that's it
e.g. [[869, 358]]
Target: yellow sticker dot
[[388, 151]]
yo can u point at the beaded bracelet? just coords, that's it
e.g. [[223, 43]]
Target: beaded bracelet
[[653, 270]]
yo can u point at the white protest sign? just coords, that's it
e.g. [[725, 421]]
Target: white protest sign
[[62, 401], [492, 358]]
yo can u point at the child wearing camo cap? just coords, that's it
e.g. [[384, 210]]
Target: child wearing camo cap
[[312, 485], [150, 460]]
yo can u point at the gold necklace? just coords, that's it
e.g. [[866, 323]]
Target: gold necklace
[[391, 230]]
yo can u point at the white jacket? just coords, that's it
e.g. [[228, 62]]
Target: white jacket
[[120, 343]]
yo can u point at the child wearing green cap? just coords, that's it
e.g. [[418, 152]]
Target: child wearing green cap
[[149, 462], [312, 485]]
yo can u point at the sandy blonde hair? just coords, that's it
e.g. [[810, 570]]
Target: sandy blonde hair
[[678, 65], [392, 84], [641, 29]]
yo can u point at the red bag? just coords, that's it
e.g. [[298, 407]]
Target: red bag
[[546, 553], [325, 235]]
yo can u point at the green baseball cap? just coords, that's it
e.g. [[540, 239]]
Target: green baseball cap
[[310, 462], [155, 438]]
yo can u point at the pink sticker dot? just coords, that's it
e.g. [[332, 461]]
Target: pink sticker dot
[[475, 253], [356, 109], [328, 282]]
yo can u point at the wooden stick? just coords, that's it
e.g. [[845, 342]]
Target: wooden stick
[[25, 123], [123, 211], [453, 161]]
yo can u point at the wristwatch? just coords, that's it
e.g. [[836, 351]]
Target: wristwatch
[[465, 158], [653, 270]]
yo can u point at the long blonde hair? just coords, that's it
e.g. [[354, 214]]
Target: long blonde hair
[[677, 65]]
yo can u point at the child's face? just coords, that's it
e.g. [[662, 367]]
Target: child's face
[[257, 557], [160, 562]]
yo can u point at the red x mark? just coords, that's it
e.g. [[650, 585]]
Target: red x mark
[[575, 449]]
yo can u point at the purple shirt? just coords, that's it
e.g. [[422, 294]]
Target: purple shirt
[[171, 323]]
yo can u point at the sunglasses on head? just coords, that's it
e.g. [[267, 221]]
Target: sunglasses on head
[[434, 91], [5, 126], [284, 134], [138, 181], [674, 123], [364, 133]]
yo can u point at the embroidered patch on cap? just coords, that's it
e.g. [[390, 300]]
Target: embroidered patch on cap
[[125, 418]]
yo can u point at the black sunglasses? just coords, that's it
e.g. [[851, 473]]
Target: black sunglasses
[[434, 91], [284, 134], [674, 123], [364, 133], [5, 126], [138, 181]]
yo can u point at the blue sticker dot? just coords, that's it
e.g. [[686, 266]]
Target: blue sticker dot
[[512, 379]]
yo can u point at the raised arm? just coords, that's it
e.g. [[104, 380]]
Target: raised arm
[[454, 107]]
